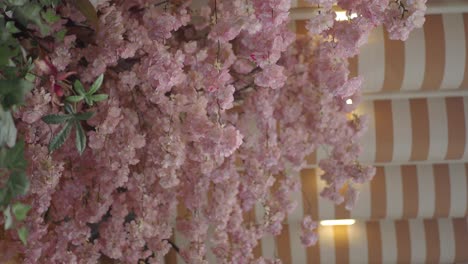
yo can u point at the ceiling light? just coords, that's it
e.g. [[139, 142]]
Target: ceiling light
[[342, 16], [337, 222]]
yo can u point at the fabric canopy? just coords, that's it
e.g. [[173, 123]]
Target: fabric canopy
[[432, 59]]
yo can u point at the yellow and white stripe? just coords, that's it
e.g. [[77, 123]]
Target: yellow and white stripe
[[394, 66], [396, 192], [416, 130], [387, 241]]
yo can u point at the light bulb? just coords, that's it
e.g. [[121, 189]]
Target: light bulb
[[341, 16], [337, 222]]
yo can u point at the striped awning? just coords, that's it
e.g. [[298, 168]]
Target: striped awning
[[396, 192], [408, 131], [386, 241], [416, 130], [407, 214], [434, 58]]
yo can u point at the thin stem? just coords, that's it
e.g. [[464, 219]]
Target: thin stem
[[216, 11], [141, 120], [161, 3], [218, 51]]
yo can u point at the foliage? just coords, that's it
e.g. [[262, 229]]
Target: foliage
[[8, 131], [71, 120], [27, 12], [19, 46], [189, 96], [87, 9], [13, 168], [15, 83], [89, 96]]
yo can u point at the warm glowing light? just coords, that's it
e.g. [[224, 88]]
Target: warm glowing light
[[342, 16], [337, 222], [349, 101]]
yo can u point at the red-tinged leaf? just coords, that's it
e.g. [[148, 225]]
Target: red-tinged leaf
[[45, 66], [58, 90], [88, 10], [64, 75]]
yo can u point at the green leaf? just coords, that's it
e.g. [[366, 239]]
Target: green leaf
[[69, 108], [10, 26], [80, 138], [30, 13], [50, 16], [16, 156], [88, 10], [56, 119], [17, 2], [96, 85], [61, 137], [8, 130], [13, 158], [8, 50], [74, 98], [18, 183], [99, 97], [79, 87], [5, 197], [12, 92], [83, 116], [30, 77], [3, 159], [10, 72], [23, 235], [20, 211], [61, 34], [52, 3], [8, 218], [88, 100]]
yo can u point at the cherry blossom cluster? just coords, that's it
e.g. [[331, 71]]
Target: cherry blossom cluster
[[211, 112], [399, 17]]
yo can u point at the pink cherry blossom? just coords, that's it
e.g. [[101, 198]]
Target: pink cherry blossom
[[320, 22], [272, 76]]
